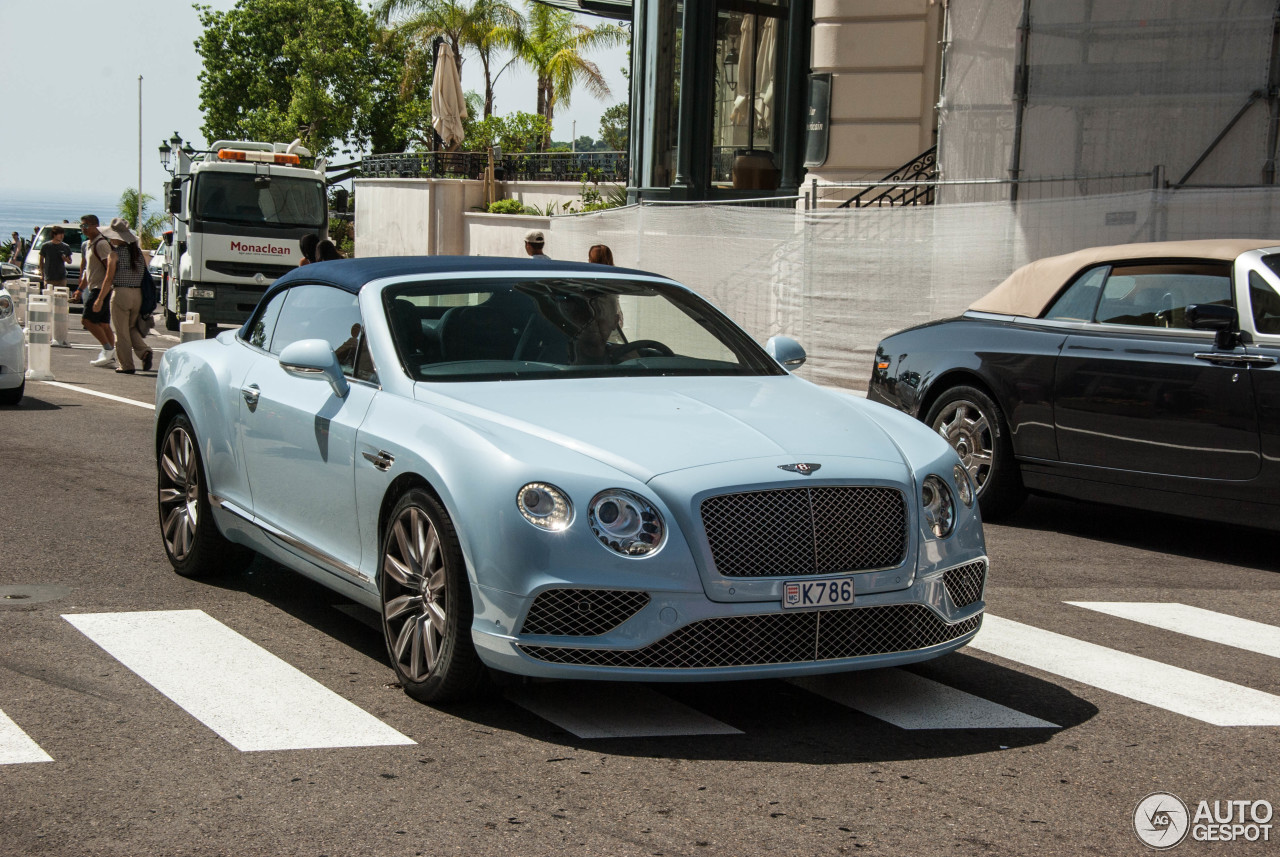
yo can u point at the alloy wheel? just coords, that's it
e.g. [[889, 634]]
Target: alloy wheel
[[968, 430], [179, 493], [414, 595]]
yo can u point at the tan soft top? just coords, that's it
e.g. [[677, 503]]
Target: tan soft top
[[1029, 289]]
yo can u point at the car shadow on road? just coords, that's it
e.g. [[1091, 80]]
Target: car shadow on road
[[775, 720], [31, 403], [1153, 531]]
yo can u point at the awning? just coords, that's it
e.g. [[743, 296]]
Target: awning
[[619, 10]]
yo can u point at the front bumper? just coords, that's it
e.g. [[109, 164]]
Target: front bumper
[[232, 303], [681, 636], [13, 356]]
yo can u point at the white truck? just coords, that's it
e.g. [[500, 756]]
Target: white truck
[[238, 211]]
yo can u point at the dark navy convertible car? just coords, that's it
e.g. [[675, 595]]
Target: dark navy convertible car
[[1143, 375]]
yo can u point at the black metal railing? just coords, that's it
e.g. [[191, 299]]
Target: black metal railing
[[907, 185], [520, 166]]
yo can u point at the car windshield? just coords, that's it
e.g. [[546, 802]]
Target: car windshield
[[71, 237], [246, 198], [497, 330]]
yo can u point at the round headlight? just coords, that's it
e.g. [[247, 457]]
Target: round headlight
[[6, 306], [545, 506], [939, 508], [627, 523], [963, 485]]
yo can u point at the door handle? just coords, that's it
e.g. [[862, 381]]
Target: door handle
[[251, 394], [381, 459], [1223, 357]]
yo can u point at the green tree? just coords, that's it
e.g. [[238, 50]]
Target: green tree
[[279, 69], [482, 26], [516, 133], [146, 224], [615, 128], [553, 48]]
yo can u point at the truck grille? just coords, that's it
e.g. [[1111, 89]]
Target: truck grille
[[582, 612], [797, 531], [964, 583], [249, 269], [777, 638]]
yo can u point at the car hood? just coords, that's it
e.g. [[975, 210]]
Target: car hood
[[649, 426]]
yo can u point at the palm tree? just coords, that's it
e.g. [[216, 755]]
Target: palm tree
[[484, 26], [552, 46], [145, 225]]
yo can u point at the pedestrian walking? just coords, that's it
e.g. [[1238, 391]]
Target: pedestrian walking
[[18, 253], [600, 254], [54, 256], [123, 284], [327, 251], [307, 244], [533, 243], [95, 250]]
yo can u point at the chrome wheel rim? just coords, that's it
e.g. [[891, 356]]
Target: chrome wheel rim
[[966, 428], [413, 594], [179, 493]]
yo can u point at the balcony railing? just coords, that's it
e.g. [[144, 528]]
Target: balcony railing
[[521, 166]]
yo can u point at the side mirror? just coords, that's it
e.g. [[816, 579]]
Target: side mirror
[[1216, 317], [175, 199], [313, 358], [786, 351]]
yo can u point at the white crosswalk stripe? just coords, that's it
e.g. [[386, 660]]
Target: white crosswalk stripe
[[16, 747], [1162, 685], [245, 694], [909, 701], [616, 711], [1195, 622]]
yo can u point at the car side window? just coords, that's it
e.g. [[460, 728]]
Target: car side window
[[1265, 304], [265, 322], [323, 312], [1158, 295], [1078, 301]]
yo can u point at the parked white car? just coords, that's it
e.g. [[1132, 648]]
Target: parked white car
[[13, 354]]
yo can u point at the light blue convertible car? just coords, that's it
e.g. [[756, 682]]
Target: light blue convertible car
[[563, 470]]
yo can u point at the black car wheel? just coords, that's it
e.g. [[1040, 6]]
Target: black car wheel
[[973, 424], [426, 603], [13, 395], [191, 539]]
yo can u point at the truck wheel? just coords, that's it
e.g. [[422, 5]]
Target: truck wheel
[[171, 320]]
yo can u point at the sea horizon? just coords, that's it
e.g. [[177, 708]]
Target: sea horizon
[[20, 210]]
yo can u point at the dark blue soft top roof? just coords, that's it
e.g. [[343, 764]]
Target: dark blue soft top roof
[[352, 274]]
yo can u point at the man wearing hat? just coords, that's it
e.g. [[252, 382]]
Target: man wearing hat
[[123, 282], [533, 241]]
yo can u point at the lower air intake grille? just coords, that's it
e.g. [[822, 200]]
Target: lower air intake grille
[[964, 584], [582, 612], [249, 269], [806, 530], [777, 638]]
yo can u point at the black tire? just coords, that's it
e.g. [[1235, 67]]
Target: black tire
[[426, 603], [974, 425], [14, 394], [171, 320], [192, 541]]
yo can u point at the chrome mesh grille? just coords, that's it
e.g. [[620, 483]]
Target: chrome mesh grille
[[797, 531], [964, 583], [582, 612], [777, 638]]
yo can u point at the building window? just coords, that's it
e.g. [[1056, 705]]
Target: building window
[[665, 113], [749, 40]]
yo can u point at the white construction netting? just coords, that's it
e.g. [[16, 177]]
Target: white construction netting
[[839, 281]]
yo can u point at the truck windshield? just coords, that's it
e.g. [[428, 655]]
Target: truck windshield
[[259, 200]]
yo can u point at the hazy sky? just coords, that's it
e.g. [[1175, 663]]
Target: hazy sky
[[69, 82]]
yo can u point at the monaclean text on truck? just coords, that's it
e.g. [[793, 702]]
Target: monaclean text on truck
[[238, 211]]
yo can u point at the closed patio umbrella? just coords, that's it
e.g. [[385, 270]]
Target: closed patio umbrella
[[448, 107]]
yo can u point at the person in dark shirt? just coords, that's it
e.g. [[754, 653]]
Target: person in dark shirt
[[54, 256]]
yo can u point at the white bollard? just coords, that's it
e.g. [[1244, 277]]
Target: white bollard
[[39, 332], [18, 291], [61, 309], [190, 329]]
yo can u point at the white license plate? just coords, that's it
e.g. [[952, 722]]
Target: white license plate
[[817, 593]]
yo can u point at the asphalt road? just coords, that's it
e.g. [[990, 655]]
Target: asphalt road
[[1052, 744]]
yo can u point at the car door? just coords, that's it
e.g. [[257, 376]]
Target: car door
[[1137, 390], [299, 435]]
